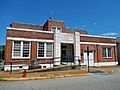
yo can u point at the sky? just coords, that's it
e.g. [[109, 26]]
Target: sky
[[98, 17]]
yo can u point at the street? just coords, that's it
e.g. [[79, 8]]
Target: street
[[91, 82]]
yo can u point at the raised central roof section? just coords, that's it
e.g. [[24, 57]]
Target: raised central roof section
[[49, 23], [47, 26]]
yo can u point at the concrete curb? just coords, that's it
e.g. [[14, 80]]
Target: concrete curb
[[40, 78]]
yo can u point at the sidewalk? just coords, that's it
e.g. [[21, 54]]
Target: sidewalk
[[18, 75]]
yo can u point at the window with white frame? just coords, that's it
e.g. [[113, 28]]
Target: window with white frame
[[21, 49], [41, 49], [16, 49], [26, 49], [107, 52], [59, 28], [49, 49], [45, 50], [54, 28]]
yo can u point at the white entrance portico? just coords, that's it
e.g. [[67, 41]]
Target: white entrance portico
[[65, 38]]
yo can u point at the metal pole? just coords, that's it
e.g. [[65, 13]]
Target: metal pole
[[115, 55], [88, 58], [10, 67]]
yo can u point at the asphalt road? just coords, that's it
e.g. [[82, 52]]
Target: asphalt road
[[91, 82]]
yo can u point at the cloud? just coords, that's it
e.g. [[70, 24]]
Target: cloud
[[95, 23], [110, 34]]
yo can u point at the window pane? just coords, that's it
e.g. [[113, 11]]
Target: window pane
[[59, 28], [109, 52], [104, 52], [26, 49], [40, 49], [17, 49], [53, 28], [49, 49]]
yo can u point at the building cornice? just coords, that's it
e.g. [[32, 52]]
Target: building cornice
[[28, 39], [97, 36], [95, 43], [29, 30]]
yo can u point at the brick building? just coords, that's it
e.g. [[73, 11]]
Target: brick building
[[52, 44]]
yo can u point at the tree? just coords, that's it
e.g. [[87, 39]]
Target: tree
[[2, 51]]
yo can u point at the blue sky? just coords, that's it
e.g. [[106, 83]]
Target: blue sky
[[98, 17]]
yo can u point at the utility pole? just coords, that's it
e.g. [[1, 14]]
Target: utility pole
[[88, 58]]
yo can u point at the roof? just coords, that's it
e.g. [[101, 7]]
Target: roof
[[26, 26]]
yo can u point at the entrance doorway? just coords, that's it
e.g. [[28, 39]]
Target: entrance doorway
[[91, 58], [67, 53]]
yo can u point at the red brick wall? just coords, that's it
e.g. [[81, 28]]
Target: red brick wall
[[73, 31], [50, 23], [26, 26], [45, 61], [47, 27], [8, 51], [101, 59], [49, 36], [30, 35], [33, 50], [97, 39], [97, 49], [33, 55]]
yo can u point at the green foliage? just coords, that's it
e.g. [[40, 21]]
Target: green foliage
[[2, 51], [2, 47]]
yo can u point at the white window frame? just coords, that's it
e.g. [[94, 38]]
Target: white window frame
[[45, 47], [53, 30], [106, 51], [21, 51], [46, 50], [56, 28], [38, 49]]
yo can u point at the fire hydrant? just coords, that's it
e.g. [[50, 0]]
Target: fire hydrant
[[24, 72]]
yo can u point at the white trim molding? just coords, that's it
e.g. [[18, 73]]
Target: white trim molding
[[21, 51], [102, 64], [105, 63], [46, 65], [24, 66], [16, 67], [97, 36], [29, 30], [32, 30], [94, 43], [27, 39], [45, 51]]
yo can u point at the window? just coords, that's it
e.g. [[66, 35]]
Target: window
[[45, 50], [49, 48], [41, 50], [26, 48], [107, 52], [17, 49], [54, 28], [59, 28], [21, 49]]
